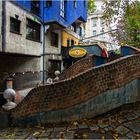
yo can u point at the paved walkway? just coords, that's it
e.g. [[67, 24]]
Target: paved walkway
[[121, 123]]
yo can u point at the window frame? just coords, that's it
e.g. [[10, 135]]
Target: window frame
[[32, 27], [68, 43], [54, 37], [34, 9], [48, 3], [94, 22], [84, 3], [13, 29], [75, 3], [72, 42], [102, 22], [63, 4]]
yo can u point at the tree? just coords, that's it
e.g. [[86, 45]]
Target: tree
[[128, 26], [91, 6]]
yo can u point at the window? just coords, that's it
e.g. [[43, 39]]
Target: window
[[94, 20], [79, 31], [101, 32], [35, 7], [68, 43], [101, 22], [54, 39], [48, 3], [33, 30], [84, 3], [74, 3], [72, 42], [94, 33], [102, 7], [63, 8], [14, 25]]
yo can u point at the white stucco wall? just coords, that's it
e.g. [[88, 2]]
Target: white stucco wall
[[16, 43]]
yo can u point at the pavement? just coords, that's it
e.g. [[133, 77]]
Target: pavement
[[121, 123]]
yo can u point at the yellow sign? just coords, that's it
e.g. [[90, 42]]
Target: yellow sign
[[77, 52]]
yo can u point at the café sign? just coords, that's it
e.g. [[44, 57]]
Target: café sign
[[77, 52]]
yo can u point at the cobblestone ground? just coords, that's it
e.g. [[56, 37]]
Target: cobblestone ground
[[121, 123]]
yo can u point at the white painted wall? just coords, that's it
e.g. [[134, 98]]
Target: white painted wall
[[18, 43]]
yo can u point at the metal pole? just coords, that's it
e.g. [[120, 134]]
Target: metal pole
[[43, 47], [99, 34], [3, 26]]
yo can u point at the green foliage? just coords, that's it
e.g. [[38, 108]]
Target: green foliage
[[91, 6], [128, 27], [117, 51]]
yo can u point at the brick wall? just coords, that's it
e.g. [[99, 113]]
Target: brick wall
[[81, 66], [78, 67], [79, 89]]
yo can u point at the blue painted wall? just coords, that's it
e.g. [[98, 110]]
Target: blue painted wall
[[92, 49], [52, 14], [100, 60], [127, 51]]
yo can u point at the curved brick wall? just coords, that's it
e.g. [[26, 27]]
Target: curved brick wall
[[93, 92], [78, 67], [81, 66]]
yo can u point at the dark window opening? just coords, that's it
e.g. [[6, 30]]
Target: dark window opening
[[84, 3], [54, 39], [74, 26], [80, 31], [72, 42], [74, 3], [33, 30], [14, 25], [35, 7], [48, 3], [53, 66], [68, 43]]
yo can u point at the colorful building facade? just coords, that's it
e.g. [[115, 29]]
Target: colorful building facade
[[64, 12], [35, 32]]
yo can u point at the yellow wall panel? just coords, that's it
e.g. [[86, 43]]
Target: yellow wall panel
[[66, 36]]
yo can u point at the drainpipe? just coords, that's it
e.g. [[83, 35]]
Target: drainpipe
[[3, 26], [43, 46]]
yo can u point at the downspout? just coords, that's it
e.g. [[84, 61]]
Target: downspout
[[43, 47], [3, 26], [44, 32]]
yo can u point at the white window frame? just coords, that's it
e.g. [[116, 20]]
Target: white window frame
[[62, 8]]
